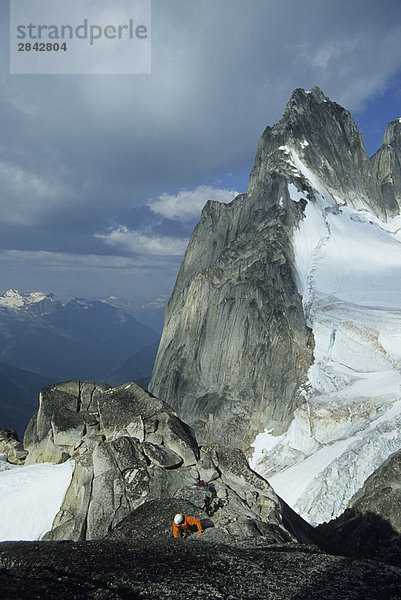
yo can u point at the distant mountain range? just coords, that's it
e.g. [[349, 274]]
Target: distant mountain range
[[19, 396], [45, 340]]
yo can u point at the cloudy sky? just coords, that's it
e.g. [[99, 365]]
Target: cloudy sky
[[103, 177]]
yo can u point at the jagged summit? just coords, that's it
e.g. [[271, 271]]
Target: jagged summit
[[308, 118], [323, 135], [387, 165], [392, 135]]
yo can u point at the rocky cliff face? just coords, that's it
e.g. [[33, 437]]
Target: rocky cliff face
[[235, 347], [283, 321]]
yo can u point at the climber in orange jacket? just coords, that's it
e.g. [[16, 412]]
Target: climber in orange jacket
[[182, 525]]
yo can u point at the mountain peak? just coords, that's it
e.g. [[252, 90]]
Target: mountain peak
[[393, 132], [326, 141], [14, 299], [300, 96], [310, 113], [311, 116]]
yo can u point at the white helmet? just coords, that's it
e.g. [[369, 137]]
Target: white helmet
[[178, 519]]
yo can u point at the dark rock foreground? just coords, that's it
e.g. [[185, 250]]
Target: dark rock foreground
[[193, 568]]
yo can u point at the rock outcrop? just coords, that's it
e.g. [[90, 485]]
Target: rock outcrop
[[130, 449], [136, 466], [381, 493], [11, 447], [387, 167]]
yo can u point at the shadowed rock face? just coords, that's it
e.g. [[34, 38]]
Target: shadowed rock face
[[371, 526], [187, 569], [381, 493]]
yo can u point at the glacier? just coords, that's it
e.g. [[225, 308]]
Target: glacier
[[348, 266]]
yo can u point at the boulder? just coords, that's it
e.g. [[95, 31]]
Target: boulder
[[63, 421], [153, 520]]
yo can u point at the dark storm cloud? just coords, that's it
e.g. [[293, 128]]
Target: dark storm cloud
[[83, 159]]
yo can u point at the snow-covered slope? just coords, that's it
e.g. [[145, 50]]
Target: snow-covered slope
[[348, 264], [30, 498]]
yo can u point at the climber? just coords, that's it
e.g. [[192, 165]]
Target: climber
[[209, 494], [207, 497], [207, 504], [183, 525]]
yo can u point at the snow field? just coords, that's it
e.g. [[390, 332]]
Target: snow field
[[30, 498]]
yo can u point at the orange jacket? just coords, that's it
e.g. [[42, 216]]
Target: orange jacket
[[188, 522]]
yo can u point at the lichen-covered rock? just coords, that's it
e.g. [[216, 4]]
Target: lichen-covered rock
[[74, 416], [122, 439], [161, 456]]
